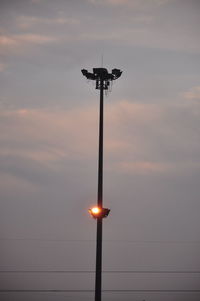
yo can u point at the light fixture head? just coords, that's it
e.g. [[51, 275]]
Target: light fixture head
[[100, 72], [88, 75], [84, 72], [98, 212], [116, 73], [102, 77]]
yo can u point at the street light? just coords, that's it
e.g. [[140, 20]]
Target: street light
[[103, 80]]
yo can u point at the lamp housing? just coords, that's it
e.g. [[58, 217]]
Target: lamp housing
[[97, 212]]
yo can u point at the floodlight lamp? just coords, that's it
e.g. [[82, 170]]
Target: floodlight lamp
[[98, 212], [88, 75], [100, 72], [116, 73], [84, 72]]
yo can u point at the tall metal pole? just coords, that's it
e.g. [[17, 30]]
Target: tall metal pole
[[103, 79], [98, 279]]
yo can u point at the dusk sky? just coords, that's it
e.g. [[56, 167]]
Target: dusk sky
[[49, 148]]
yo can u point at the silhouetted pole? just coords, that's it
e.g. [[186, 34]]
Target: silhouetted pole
[[98, 279], [103, 79]]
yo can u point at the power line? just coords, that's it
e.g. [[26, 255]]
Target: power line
[[105, 240], [108, 272], [105, 290]]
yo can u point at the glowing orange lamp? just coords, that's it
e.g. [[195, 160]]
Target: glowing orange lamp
[[98, 212]]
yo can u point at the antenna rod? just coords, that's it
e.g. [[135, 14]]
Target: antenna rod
[[102, 61]]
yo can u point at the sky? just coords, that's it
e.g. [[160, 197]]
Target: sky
[[49, 149]]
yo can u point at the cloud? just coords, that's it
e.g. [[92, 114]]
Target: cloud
[[7, 41], [18, 184], [116, 2], [42, 134], [52, 136], [193, 93], [34, 38], [146, 24], [151, 168], [2, 67], [37, 1], [26, 22], [150, 137], [148, 37], [143, 167], [20, 43], [139, 112], [15, 42], [131, 3], [139, 24]]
